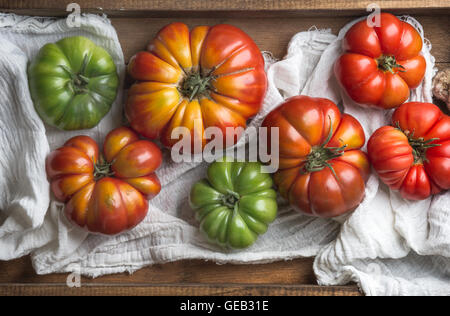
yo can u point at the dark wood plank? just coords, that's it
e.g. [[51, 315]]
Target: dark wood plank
[[191, 277], [175, 290], [216, 8], [297, 271], [220, 5]]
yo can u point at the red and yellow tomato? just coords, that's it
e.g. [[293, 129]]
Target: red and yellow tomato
[[413, 155], [206, 77], [110, 195], [322, 170], [381, 63]]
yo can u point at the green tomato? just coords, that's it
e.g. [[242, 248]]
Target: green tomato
[[235, 203], [73, 83]]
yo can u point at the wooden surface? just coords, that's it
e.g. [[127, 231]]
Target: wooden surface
[[177, 290], [281, 21], [192, 277], [262, 8]]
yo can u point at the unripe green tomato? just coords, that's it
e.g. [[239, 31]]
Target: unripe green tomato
[[73, 83], [235, 204]]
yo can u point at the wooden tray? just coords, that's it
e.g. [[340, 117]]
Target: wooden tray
[[271, 24]]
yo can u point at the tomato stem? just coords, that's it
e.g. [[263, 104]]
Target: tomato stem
[[102, 169], [195, 85], [388, 63], [78, 81], [320, 156], [419, 145], [230, 199]]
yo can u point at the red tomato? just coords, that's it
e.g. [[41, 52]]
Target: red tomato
[[105, 196], [322, 168], [413, 155], [206, 77], [381, 64]]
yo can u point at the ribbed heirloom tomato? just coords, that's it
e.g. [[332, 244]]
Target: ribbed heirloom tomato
[[210, 76], [322, 168], [413, 155], [381, 64], [73, 83], [109, 195], [235, 203]]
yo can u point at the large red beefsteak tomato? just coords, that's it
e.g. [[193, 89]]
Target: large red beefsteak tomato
[[322, 168], [381, 64], [413, 155], [105, 195], [206, 77]]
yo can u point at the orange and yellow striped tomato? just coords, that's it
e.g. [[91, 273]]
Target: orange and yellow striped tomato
[[106, 196], [209, 76]]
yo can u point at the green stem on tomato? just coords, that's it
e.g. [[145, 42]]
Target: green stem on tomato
[[388, 63], [195, 85], [320, 156], [102, 169], [419, 145], [78, 81]]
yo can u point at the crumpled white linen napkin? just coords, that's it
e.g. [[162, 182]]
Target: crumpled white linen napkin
[[381, 228]]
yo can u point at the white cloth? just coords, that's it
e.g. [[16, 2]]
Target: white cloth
[[385, 227]]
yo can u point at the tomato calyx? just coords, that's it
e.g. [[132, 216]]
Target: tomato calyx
[[320, 156], [388, 63], [231, 199], [195, 85], [419, 145], [79, 81], [102, 169]]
